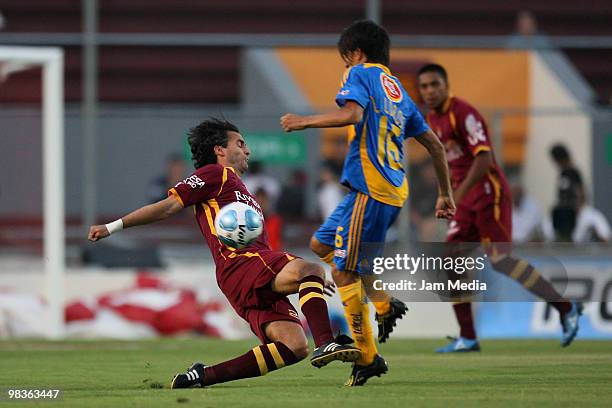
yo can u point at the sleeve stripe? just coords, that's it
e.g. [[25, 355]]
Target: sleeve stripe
[[481, 148], [453, 121], [173, 192], [209, 218], [224, 179]]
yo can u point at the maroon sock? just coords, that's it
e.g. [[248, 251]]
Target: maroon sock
[[314, 307], [528, 276], [562, 307], [463, 312], [258, 361]]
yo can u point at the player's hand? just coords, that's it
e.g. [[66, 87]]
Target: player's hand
[[445, 207], [330, 288], [291, 122], [97, 232]]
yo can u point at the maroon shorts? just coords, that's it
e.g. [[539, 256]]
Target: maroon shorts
[[490, 224], [282, 309], [245, 278]]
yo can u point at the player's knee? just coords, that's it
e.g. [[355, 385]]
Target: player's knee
[[300, 351], [312, 269], [298, 346]]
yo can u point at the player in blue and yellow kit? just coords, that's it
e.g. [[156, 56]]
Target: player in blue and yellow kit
[[381, 116]]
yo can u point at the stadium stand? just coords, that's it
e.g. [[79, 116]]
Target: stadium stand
[[181, 70]]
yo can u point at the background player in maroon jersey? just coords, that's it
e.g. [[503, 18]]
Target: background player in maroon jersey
[[256, 280], [484, 204]]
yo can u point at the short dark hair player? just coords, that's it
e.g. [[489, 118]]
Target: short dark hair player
[[484, 203]]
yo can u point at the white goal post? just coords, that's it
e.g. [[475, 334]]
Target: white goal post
[[52, 61]]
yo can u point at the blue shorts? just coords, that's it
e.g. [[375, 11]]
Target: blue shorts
[[358, 220]]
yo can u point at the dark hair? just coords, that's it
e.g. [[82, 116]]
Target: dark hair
[[367, 36], [438, 69], [204, 137], [559, 153]]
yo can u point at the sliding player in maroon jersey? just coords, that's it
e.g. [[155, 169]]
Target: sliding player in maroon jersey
[[484, 204], [256, 280]]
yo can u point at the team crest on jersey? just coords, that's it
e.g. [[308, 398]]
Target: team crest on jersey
[[475, 130], [391, 88]]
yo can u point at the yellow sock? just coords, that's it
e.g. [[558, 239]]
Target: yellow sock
[[382, 307], [380, 299], [369, 349], [357, 315]]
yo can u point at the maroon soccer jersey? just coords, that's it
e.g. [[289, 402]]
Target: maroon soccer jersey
[[208, 189], [464, 134], [243, 275]]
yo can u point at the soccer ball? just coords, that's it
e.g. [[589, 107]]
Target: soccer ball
[[238, 225]]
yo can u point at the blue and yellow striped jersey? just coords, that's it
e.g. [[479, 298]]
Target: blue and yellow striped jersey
[[374, 164]]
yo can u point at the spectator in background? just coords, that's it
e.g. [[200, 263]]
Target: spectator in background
[[330, 191], [526, 33], [528, 220], [293, 194], [591, 224], [175, 172], [526, 24], [273, 222], [568, 182], [256, 179]]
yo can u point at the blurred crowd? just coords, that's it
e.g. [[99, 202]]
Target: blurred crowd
[[572, 218]]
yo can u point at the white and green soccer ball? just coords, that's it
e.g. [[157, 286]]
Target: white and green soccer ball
[[238, 225]]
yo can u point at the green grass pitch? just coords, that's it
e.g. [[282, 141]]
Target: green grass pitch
[[137, 374]]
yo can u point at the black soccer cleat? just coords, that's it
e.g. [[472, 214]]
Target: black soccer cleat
[[339, 349], [193, 378], [361, 374], [388, 321]]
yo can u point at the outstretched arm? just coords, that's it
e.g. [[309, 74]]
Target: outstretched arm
[[445, 205], [144, 215], [350, 114]]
